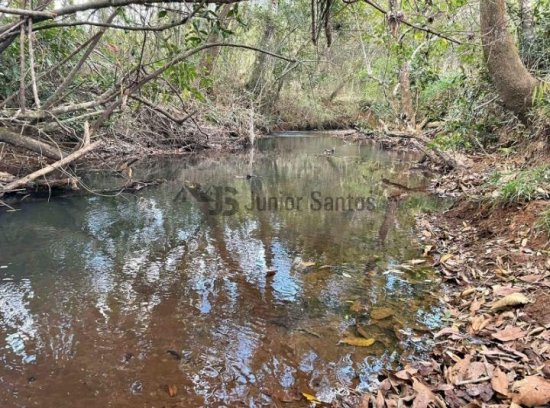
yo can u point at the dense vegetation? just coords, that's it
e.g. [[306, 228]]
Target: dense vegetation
[[177, 75]]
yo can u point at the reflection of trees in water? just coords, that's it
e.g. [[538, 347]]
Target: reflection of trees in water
[[131, 264]]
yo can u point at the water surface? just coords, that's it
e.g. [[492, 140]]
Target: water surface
[[107, 300]]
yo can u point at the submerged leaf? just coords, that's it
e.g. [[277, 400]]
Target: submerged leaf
[[381, 313], [311, 398], [358, 341]]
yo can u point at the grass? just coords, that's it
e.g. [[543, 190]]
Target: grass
[[543, 222], [519, 187]]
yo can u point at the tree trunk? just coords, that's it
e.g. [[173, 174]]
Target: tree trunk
[[527, 21], [407, 109], [527, 34], [514, 84], [209, 57]]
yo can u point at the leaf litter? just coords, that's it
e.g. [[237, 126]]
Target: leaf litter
[[495, 350]]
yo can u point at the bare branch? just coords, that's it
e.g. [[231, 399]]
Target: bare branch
[[31, 63], [69, 78]]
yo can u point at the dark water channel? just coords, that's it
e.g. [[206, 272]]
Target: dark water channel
[[185, 294]]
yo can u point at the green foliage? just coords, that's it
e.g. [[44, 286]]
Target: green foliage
[[520, 186], [543, 222]]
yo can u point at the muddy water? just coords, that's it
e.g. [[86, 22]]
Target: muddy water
[[214, 289]]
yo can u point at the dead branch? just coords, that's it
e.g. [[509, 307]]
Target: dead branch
[[14, 185], [31, 63], [22, 69], [28, 143], [161, 110]]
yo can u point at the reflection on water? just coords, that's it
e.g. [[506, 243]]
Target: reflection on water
[[107, 301]]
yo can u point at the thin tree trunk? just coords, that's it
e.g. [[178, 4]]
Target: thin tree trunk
[[209, 57], [22, 68], [514, 84], [527, 21], [31, 64], [407, 109]]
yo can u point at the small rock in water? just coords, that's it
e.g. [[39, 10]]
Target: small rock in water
[[136, 387]]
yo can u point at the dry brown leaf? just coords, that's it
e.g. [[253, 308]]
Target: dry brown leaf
[[458, 372], [172, 390], [531, 391], [380, 400], [425, 395], [509, 333], [515, 299], [499, 382], [357, 341]]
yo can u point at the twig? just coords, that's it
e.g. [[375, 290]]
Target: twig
[[473, 381]]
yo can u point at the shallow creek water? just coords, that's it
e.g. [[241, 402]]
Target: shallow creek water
[[187, 294]]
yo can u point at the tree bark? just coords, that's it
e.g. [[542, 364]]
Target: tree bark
[[514, 84]]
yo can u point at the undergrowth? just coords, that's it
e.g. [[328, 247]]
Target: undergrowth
[[521, 186]]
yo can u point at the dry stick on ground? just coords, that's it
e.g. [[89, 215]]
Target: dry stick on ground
[[14, 185]]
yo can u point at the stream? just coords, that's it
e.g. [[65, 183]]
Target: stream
[[232, 283]]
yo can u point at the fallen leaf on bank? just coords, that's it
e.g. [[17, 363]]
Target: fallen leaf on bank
[[425, 395], [172, 390], [546, 369], [381, 313], [458, 372], [499, 382], [311, 398], [445, 258], [358, 341], [480, 322], [515, 299], [509, 333], [531, 391], [468, 292], [427, 250], [416, 261]]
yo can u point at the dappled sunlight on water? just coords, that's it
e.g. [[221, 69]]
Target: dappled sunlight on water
[[107, 301]]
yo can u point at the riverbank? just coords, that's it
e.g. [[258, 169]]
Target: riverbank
[[493, 255]]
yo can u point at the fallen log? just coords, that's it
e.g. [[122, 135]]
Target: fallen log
[[423, 144], [28, 143], [16, 184]]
